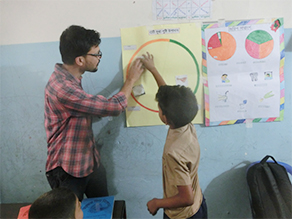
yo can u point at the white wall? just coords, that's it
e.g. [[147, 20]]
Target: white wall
[[32, 21]]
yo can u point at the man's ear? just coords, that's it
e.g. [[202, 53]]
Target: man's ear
[[80, 60]]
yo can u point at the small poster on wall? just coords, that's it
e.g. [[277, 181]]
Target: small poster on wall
[[243, 65], [178, 9]]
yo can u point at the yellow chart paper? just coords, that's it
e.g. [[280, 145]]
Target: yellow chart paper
[[177, 55]]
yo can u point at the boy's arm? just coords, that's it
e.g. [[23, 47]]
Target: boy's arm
[[148, 63], [184, 198]]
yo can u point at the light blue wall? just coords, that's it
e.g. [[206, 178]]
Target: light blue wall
[[132, 156]]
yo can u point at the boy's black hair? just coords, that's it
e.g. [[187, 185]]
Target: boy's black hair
[[178, 104], [57, 203], [77, 41]]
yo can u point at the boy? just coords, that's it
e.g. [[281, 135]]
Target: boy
[[57, 203], [177, 105]]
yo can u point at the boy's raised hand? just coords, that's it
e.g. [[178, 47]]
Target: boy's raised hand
[[148, 61]]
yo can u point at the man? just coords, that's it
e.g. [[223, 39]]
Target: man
[[73, 160]]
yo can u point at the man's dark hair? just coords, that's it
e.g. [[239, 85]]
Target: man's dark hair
[[178, 104], [77, 41], [57, 203]]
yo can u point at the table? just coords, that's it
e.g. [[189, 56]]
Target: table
[[10, 211]]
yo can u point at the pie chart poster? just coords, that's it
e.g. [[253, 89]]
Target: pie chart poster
[[243, 71], [177, 55]]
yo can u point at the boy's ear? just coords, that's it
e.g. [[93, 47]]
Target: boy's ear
[[80, 60], [164, 119], [168, 122]]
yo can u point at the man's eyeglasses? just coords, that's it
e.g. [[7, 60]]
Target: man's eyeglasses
[[99, 54]]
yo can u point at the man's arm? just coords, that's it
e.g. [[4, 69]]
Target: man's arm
[[184, 198], [79, 101], [134, 74], [148, 63]]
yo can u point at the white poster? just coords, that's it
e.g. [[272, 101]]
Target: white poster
[[243, 68]]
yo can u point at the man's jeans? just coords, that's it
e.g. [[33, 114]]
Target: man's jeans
[[93, 185]]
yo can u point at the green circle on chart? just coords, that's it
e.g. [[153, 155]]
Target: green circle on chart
[[194, 58], [177, 43]]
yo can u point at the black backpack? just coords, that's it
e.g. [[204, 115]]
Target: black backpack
[[270, 190]]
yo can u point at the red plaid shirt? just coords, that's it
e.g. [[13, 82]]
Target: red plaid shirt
[[68, 122]]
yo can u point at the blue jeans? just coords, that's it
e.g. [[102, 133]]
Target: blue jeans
[[93, 185], [202, 213]]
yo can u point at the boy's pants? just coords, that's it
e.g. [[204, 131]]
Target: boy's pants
[[201, 213], [93, 185]]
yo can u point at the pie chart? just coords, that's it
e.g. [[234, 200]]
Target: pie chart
[[259, 44], [221, 46]]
